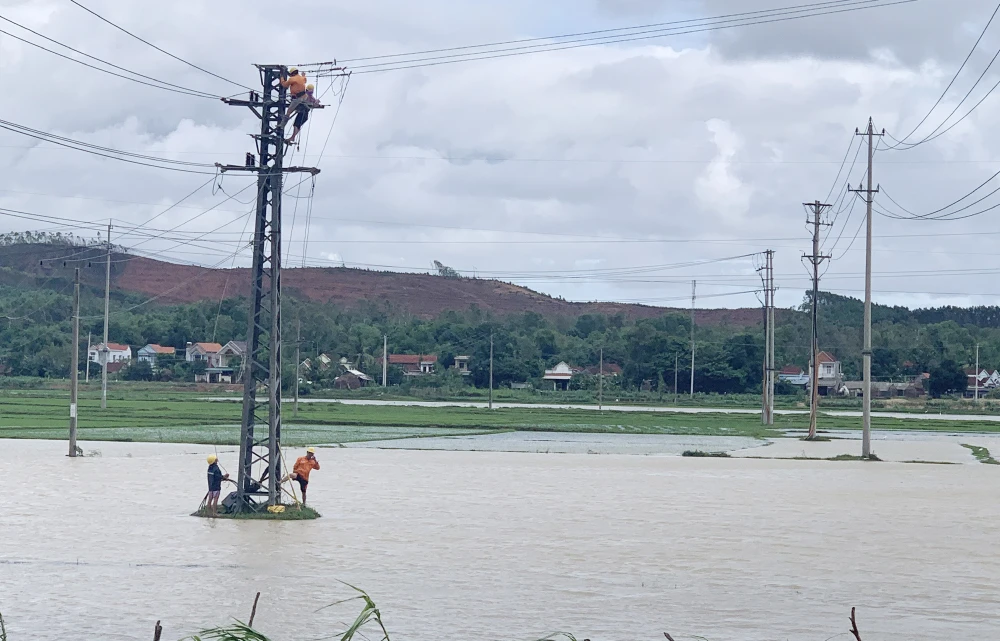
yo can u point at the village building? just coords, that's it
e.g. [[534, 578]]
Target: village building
[[116, 353], [831, 377], [560, 375], [207, 353], [413, 364], [462, 365]]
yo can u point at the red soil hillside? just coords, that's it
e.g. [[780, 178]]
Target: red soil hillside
[[419, 294]]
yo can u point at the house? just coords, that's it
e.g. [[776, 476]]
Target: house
[[233, 354], [116, 353], [985, 380], [912, 387], [462, 365], [793, 374], [322, 361], [413, 364], [352, 379], [560, 375], [831, 377], [207, 353], [151, 352], [216, 375]]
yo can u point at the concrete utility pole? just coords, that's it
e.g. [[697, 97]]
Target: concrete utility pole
[[977, 372], [767, 383], [105, 351], [677, 361], [74, 371], [818, 209], [600, 384], [385, 359], [298, 361], [87, 376], [491, 370], [866, 443], [694, 284]]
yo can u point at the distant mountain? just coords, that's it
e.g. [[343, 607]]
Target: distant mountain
[[423, 295]]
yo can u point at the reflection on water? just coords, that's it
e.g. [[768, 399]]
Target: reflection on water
[[464, 545]]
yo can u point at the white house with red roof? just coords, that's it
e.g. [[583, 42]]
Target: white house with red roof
[[207, 353], [116, 353], [413, 364]]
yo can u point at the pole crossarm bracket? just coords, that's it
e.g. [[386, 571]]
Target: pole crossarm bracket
[[257, 170]]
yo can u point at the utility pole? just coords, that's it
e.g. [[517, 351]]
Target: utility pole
[[298, 360], [491, 370], [977, 374], [677, 360], [74, 372], [866, 442], [105, 351], [385, 359], [600, 384], [87, 376], [818, 209], [767, 379], [694, 284], [259, 465]]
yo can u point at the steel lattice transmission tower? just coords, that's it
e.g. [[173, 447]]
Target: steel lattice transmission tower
[[259, 448]]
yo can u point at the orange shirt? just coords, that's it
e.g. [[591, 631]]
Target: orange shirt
[[304, 465], [296, 84]]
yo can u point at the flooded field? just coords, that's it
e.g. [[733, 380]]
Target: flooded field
[[499, 545]]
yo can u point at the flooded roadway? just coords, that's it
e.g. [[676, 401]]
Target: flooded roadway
[[499, 545]]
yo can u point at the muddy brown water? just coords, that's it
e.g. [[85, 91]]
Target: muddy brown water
[[495, 545]]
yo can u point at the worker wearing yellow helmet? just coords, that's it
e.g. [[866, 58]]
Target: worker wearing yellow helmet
[[215, 479], [303, 466]]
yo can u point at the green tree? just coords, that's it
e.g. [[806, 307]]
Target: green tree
[[947, 378]]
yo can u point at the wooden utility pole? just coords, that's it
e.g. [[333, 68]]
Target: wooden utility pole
[[866, 439], [105, 352], [694, 284], [491, 370], [385, 359], [600, 384], [817, 210], [298, 363], [74, 371]]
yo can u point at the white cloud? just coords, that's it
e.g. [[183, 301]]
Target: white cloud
[[716, 144]]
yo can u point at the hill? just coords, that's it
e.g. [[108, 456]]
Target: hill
[[422, 295]]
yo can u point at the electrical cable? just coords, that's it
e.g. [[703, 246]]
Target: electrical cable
[[168, 86], [587, 42], [163, 51]]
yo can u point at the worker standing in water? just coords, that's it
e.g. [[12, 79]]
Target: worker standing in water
[[303, 466], [215, 479]]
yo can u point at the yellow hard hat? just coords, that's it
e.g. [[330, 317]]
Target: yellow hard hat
[[311, 450], [310, 87], [212, 458], [293, 70]]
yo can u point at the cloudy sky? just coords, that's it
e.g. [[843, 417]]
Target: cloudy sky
[[619, 171]]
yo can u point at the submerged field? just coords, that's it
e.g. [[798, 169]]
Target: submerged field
[[190, 418]]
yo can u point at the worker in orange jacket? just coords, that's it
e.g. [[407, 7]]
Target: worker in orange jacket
[[303, 466], [295, 82]]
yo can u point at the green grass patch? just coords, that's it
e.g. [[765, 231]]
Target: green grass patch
[[982, 454], [291, 513]]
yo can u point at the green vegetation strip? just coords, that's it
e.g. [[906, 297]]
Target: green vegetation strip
[[291, 513], [982, 454], [179, 417]]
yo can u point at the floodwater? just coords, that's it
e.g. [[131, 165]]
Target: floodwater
[[495, 545]]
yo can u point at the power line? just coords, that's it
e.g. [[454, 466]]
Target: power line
[[105, 152], [167, 86], [785, 14], [950, 84], [179, 59]]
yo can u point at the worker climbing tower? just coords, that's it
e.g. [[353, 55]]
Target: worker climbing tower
[[260, 465]]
